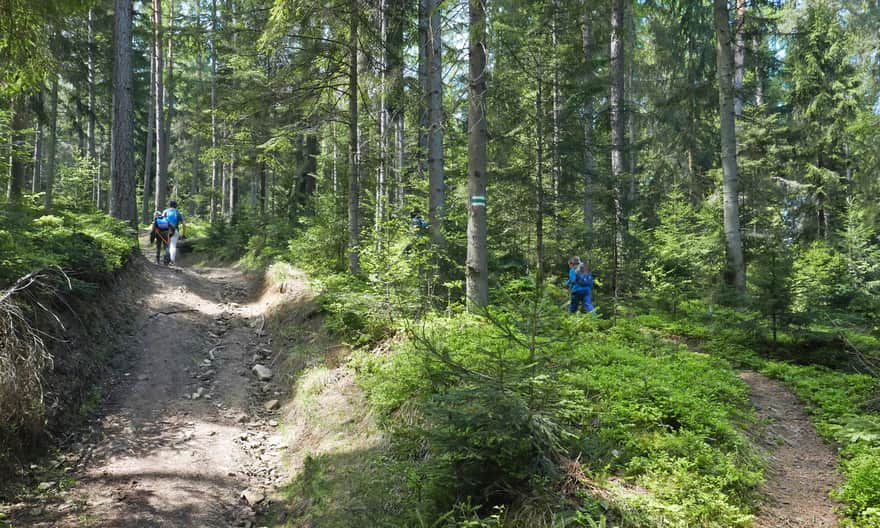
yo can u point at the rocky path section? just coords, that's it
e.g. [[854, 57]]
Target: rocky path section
[[186, 435], [801, 470]]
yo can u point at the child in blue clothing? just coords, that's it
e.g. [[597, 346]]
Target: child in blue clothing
[[580, 283]]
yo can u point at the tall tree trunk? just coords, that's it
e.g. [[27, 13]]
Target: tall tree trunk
[[589, 161], [169, 86], [215, 169], [308, 182], [739, 57], [424, 90], [150, 143], [759, 72], [436, 177], [539, 172], [52, 147], [161, 138], [38, 158], [197, 143], [263, 194], [557, 163], [736, 267], [384, 138], [395, 62], [123, 202], [617, 139], [632, 158], [92, 108], [233, 189], [476, 267], [17, 157], [354, 265], [224, 189], [195, 177]]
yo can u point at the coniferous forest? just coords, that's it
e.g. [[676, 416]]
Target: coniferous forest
[[427, 170]]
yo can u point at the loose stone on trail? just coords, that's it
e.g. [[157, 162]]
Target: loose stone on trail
[[262, 372], [253, 497]]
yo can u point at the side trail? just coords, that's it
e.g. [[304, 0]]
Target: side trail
[[801, 467], [186, 435]]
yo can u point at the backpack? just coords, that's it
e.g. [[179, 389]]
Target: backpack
[[173, 216], [162, 224], [584, 279]]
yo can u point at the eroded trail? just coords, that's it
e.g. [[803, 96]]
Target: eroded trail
[[801, 470], [188, 426]]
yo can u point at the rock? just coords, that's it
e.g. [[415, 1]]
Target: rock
[[271, 405], [255, 358], [273, 423], [143, 377], [46, 486], [263, 373], [253, 497], [206, 363]]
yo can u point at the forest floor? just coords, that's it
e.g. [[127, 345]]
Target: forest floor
[[187, 434]]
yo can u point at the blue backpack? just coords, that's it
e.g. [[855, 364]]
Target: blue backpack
[[173, 216], [162, 223], [584, 279]]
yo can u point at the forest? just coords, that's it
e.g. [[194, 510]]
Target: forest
[[431, 167]]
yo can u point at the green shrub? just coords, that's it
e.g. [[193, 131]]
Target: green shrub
[[820, 279]]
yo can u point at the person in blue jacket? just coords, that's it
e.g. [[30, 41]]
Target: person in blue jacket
[[580, 283], [178, 228]]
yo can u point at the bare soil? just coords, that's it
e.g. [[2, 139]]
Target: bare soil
[[186, 434], [801, 470]]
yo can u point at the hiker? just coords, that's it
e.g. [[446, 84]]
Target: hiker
[[418, 227], [175, 218], [418, 223], [580, 283], [161, 233]]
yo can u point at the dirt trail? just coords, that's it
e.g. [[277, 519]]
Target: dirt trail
[[188, 426], [801, 469]]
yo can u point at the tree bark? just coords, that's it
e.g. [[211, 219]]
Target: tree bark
[[759, 72], [354, 265], [161, 138], [395, 62], [557, 165], [309, 182], [384, 138], [422, 151], [150, 143], [436, 177], [589, 161], [739, 57], [736, 269], [123, 204], [617, 139], [38, 158], [215, 169], [92, 108], [52, 146], [539, 186], [169, 87], [233, 189], [196, 177], [476, 266], [17, 156]]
